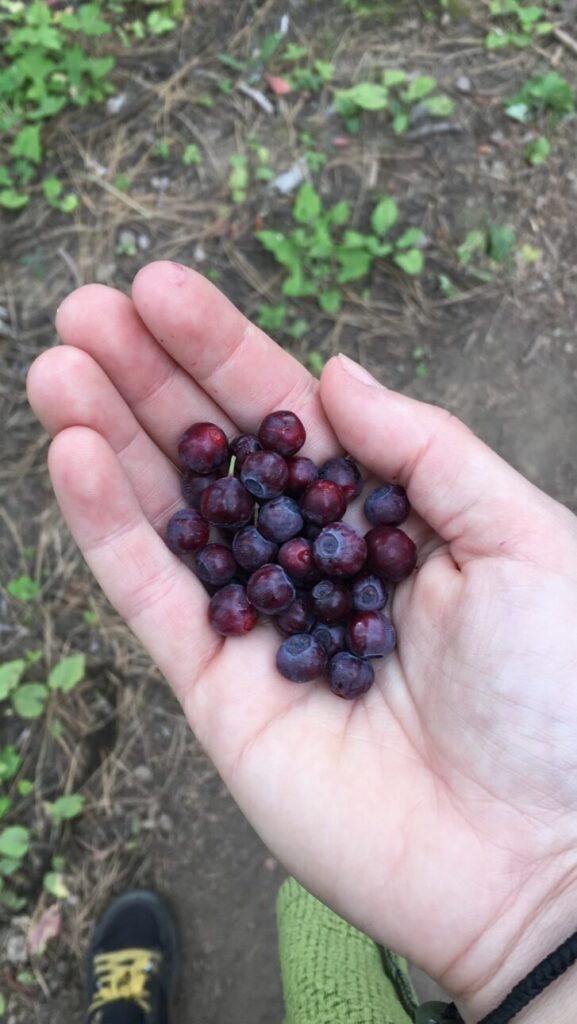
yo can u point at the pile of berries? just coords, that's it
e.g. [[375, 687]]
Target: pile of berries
[[284, 551]]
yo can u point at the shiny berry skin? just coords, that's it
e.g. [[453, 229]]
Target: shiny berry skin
[[227, 503], [344, 472], [193, 486], [339, 550], [230, 612], [331, 601], [296, 556], [349, 676], [391, 554], [203, 448], [243, 445], [251, 549], [280, 519], [387, 505], [301, 658], [301, 473], [371, 635], [264, 474], [186, 532], [296, 619], [369, 594], [215, 565], [282, 432], [323, 502], [331, 635], [270, 590]]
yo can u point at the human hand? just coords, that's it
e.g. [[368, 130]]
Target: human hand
[[437, 813]]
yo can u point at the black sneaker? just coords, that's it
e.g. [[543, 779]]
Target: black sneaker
[[131, 963]]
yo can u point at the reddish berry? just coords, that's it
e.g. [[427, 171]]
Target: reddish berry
[[243, 445], [203, 448], [301, 473], [296, 556], [193, 486], [391, 554], [186, 532], [331, 601], [264, 474], [349, 676], [270, 590], [227, 503], [323, 502], [282, 432], [215, 565], [344, 472], [371, 635], [230, 613], [296, 619]]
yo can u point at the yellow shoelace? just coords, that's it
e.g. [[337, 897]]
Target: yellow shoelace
[[124, 974]]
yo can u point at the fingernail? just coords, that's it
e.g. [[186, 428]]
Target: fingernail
[[349, 366]]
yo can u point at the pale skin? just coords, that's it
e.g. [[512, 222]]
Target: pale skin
[[439, 812]]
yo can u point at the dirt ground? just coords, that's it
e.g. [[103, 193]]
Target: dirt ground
[[500, 352]]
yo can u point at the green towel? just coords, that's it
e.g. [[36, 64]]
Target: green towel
[[332, 973]]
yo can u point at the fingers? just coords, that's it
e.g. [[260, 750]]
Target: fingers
[[469, 495], [242, 370], [66, 388], [144, 581], [164, 399]]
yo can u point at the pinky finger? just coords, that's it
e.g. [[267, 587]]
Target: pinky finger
[[145, 582]]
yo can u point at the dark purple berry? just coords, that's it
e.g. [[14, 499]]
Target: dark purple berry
[[339, 550], [296, 619], [280, 519], [264, 474], [387, 506], [227, 503], [371, 635], [251, 549], [391, 554], [230, 611], [331, 601], [215, 565], [193, 486], [323, 502], [186, 532], [350, 677], [369, 594], [344, 472], [203, 448], [301, 658], [243, 445], [301, 473], [296, 556], [270, 590], [282, 432], [331, 635]]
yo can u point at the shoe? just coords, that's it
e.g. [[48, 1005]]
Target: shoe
[[131, 962]]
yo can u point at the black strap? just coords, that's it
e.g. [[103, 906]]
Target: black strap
[[543, 975]]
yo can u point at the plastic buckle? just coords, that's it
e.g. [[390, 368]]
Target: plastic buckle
[[431, 1013]]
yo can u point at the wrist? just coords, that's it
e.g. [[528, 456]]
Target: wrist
[[513, 949]]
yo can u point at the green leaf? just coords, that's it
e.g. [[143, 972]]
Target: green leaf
[[316, 363], [392, 78], [271, 318], [366, 95], [159, 23], [281, 248], [501, 242], [354, 263], [191, 155], [400, 123], [5, 805], [14, 842], [497, 39], [340, 213], [385, 216], [53, 882], [538, 151], [439, 106], [10, 762], [410, 237], [411, 262], [475, 241], [298, 328], [87, 20], [308, 205], [8, 866], [51, 187], [5, 178], [2, 1005], [29, 700], [330, 301], [65, 808], [90, 617], [520, 112], [67, 673], [27, 144], [419, 88], [69, 203], [23, 588], [24, 787], [11, 673], [12, 200]]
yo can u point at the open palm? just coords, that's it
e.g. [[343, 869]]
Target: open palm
[[437, 813]]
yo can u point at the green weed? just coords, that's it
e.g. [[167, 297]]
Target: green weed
[[398, 95], [522, 24]]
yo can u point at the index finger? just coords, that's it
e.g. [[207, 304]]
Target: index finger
[[234, 361]]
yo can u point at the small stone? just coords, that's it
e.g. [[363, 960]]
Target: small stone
[[115, 103], [143, 242], [463, 84], [143, 774], [16, 950], [165, 823]]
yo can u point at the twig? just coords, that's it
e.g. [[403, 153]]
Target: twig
[[566, 39], [121, 196]]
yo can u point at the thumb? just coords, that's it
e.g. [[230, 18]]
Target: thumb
[[469, 495]]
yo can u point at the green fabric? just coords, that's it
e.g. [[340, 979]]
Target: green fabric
[[332, 973]]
